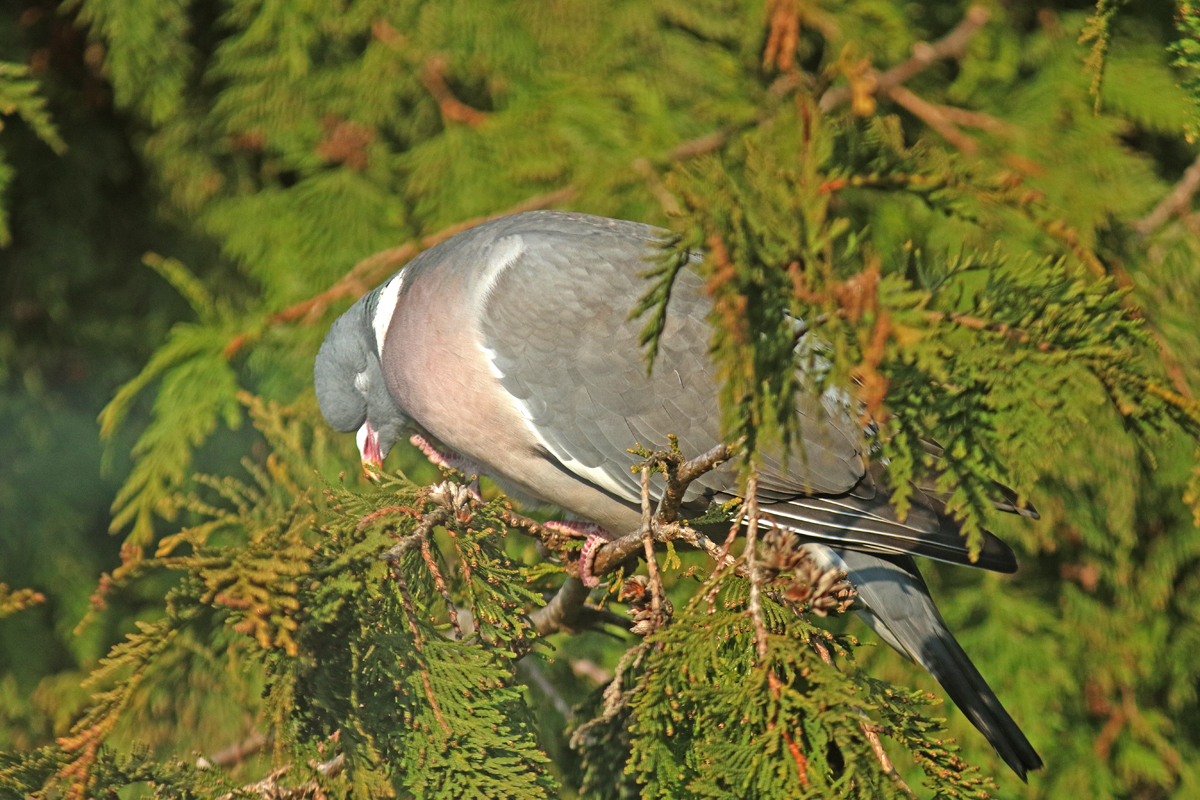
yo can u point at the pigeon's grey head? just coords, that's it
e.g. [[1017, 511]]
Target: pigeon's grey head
[[350, 386]]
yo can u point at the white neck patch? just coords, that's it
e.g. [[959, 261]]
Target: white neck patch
[[504, 254], [386, 309]]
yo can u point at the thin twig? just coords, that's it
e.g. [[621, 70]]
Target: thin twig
[[952, 45], [667, 200], [615, 698], [750, 555], [933, 116], [434, 79], [976, 119], [723, 559], [656, 604], [703, 145], [1173, 203]]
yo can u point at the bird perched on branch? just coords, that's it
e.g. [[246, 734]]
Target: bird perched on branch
[[508, 350]]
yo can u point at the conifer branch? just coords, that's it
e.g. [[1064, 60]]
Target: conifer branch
[[775, 685], [867, 727], [13, 601], [440, 583], [1174, 203], [392, 557], [952, 45]]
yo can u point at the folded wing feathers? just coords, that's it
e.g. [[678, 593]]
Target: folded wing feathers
[[851, 522]]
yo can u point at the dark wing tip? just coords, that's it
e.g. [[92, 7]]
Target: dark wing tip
[[950, 665], [995, 555]]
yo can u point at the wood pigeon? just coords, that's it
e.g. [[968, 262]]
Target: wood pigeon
[[508, 350]]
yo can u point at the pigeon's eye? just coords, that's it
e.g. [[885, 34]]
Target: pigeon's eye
[[362, 382]]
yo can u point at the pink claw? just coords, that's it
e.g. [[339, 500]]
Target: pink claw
[[586, 556], [596, 536]]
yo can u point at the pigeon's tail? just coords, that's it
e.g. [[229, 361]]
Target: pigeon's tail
[[900, 610]]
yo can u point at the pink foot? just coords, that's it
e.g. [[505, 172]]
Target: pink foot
[[448, 460], [596, 536]]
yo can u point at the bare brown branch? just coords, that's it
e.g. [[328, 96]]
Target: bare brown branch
[[235, 753], [702, 145], [1174, 203], [656, 590], [977, 119], [563, 611], [667, 200], [568, 611], [681, 474]]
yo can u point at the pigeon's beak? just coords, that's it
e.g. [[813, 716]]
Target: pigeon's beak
[[368, 448]]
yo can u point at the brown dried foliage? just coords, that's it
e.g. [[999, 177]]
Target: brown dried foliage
[[345, 142]]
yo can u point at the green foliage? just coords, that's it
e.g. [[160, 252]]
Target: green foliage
[[711, 720], [301, 574], [1098, 31], [1187, 54], [19, 95]]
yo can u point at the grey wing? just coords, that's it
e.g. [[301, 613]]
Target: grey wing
[[556, 324]]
